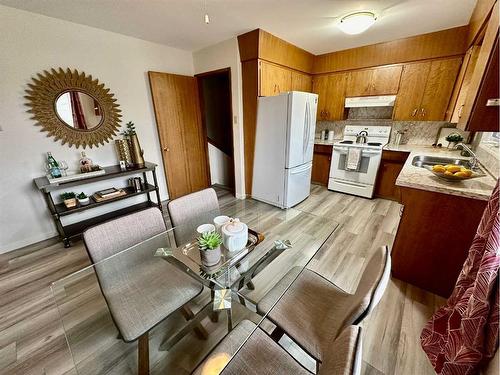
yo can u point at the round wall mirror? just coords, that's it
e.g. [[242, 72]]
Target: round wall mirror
[[73, 107], [78, 110]]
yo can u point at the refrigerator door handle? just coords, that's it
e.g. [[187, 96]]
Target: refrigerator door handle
[[306, 130], [306, 167]]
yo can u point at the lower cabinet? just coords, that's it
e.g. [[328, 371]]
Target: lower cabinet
[[391, 164], [321, 164], [433, 238]]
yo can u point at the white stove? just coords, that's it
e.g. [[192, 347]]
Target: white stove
[[355, 159]]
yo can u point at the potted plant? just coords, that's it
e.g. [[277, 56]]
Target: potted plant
[[453, 139], [83, 199], [69, 199], [209, 245]]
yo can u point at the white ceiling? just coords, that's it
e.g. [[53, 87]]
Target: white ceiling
[[309, 24]]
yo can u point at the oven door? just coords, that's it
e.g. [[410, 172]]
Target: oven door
[[367, 172]]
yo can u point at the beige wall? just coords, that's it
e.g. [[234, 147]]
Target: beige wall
[[31, 43]]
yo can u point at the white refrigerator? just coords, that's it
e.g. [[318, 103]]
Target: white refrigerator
[[284, 145]]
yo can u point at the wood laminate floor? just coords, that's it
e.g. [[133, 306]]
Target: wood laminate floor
[[32, 339]]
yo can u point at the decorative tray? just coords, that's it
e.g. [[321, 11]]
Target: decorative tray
[[74, 176]]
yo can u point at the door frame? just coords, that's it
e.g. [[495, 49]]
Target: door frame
[[202, 112]]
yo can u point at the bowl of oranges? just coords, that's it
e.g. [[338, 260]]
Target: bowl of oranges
[[453, 172]]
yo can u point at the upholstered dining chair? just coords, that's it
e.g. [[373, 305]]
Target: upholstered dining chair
[[313, 311], [193, 209], [140, 290], [260, 355]]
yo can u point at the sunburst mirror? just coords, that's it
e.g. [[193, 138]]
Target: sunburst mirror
[[73, 107]]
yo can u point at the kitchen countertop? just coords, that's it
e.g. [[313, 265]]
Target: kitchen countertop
[[326, 142], [420, 178]]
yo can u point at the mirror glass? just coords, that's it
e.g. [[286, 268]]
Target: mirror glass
[[78, 110]]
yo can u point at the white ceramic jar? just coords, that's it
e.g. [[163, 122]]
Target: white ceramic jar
[[234, 235]]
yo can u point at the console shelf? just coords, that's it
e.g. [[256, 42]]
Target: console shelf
[[70, 231]]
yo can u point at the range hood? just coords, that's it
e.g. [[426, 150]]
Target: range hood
[[370, 101]]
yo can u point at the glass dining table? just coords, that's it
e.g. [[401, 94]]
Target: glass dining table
[[181, 343]]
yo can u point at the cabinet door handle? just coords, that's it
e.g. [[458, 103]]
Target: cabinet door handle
[[166, 149], [422, 112], [493, 103], [414, 112], [460, 110]]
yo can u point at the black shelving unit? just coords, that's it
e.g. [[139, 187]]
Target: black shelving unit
[[70, 231]]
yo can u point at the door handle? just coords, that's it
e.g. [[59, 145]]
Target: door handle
[[166, 149], [493, 103], [422, 112], [414, 112]]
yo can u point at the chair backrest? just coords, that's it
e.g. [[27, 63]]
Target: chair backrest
[[190, 209], [371, 286], [113, 236], [344, 354]]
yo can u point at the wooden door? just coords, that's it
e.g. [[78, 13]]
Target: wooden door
[[459, 95], [182, 138], [359, 83], [331, 95], [301, 82], [438, 89], [321, 164], [411, 91], [274, 79], [385, 80], [390, 166]]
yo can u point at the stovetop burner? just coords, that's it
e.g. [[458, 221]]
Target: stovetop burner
[[374, 144], [346, 142]]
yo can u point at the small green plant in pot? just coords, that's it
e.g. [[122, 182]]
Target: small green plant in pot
[[69, 199], [209, 245], [83, 199], [453, 139]]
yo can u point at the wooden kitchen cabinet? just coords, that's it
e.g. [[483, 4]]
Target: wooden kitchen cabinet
[[274, 79], [331, 95], [433, 238], [375, 81], [425, 89], [321, 164], [390, 166], [478, 113], [301, 82]]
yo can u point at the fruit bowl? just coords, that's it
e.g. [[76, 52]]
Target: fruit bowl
[[453, 176]]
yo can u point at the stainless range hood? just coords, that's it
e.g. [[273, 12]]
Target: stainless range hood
[[370, 101]]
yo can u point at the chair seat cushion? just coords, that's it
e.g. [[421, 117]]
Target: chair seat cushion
[[141, 291], [313, 310], [260, 355]]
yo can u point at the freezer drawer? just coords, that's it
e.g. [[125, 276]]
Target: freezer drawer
[[297, 184]]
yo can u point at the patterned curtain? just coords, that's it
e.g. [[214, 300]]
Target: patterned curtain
[[76, 107], [463, 335]]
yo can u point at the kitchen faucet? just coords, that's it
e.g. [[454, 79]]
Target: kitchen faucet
[[473, 161], [361, 137]]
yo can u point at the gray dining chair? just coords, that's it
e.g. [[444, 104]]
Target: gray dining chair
[[140, 290], [260, 355], [191, 210], [313, 311]]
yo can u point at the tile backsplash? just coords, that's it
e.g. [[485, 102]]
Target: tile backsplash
[[416, 132]]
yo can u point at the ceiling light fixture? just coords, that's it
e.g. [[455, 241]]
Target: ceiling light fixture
[[206, 17], [356, 23]]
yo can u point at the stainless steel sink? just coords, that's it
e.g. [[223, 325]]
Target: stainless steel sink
[[422, 161]]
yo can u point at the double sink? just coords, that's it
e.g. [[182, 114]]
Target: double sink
[[424, 161]]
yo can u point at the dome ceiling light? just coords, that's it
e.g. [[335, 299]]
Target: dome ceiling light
[[356, 23]]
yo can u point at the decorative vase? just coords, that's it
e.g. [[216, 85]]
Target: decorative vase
[[70, 203], [137, 152], [84, 201], [210, 257], [123, 149]]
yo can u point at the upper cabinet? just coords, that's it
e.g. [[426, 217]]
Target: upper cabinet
[[425, 90], [479, 111], [301, 82], [331, 95], [274, 79], [376, 81]]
